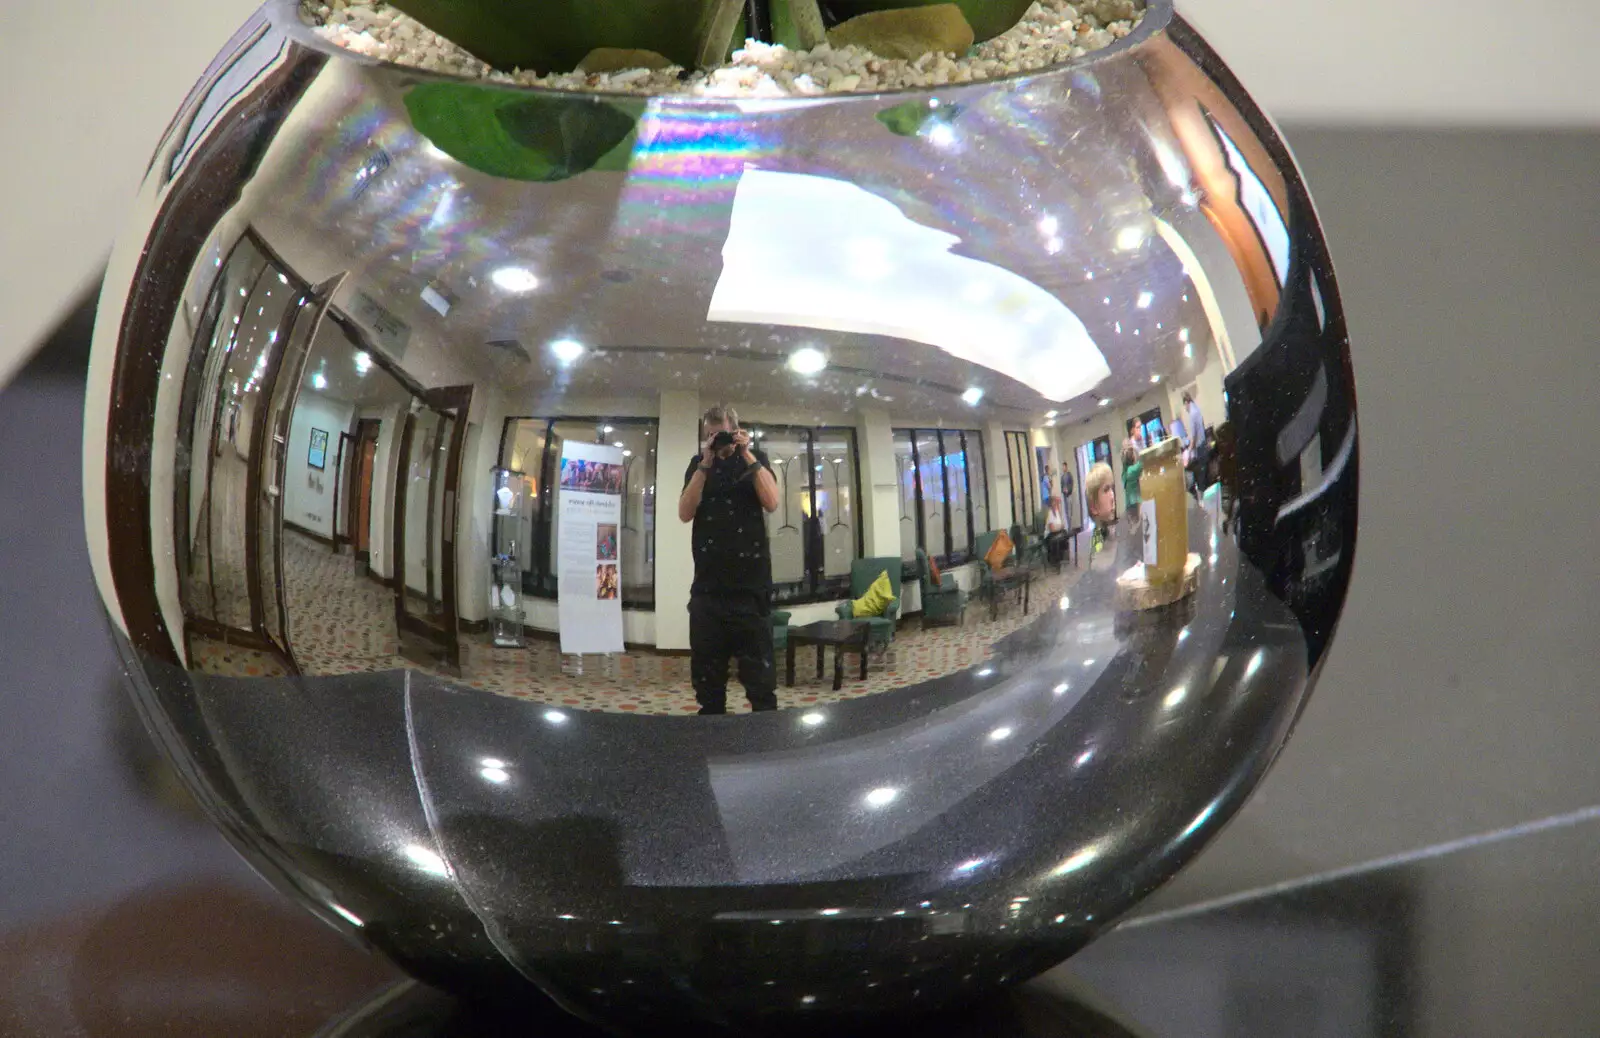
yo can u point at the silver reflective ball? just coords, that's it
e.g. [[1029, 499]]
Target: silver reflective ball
[[406, 506]]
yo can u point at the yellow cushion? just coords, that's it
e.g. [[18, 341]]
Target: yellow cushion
[[999, 551], [876, 600]]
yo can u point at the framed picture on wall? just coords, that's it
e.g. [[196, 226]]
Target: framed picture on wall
[[317, 457]]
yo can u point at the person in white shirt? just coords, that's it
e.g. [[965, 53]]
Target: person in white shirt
[[1055, 531], [1197, 460]]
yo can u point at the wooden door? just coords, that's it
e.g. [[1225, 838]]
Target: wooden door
[[360, 498]]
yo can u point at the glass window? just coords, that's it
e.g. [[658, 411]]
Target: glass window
[[956, 484], [532, 446], [977, 481], [1024, 482], [931, 476], [910, 522], [789, 452], [815, 534], [944, 496]]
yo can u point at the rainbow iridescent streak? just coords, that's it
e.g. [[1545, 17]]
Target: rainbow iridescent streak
[[685, 168]]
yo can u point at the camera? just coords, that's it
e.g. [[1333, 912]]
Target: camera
[[721, 440]]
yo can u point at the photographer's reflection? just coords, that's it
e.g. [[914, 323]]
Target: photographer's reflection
[[728, 488]]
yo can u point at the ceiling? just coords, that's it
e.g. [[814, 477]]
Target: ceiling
[[626, 265]]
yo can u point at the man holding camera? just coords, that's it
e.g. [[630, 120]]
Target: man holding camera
[[728, 490]]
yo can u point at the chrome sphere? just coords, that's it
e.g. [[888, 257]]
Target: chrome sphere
[[393, 500]]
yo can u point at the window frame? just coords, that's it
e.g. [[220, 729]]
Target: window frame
[[816, 585], [1019, 454], [966, 438]]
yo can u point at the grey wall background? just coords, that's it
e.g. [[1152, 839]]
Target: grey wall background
[[1460, 695]]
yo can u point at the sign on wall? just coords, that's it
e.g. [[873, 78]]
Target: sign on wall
[[589, 566]]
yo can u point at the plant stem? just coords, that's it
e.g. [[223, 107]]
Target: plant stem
[[808, 23], [716, 35], [758, 16]]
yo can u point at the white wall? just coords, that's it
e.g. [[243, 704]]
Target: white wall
[[384, 462], [679, 438], [309, 498]]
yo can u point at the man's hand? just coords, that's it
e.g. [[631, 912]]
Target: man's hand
[[706, 453], [741, 444]]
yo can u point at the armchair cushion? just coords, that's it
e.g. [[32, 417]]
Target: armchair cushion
[[999, 551], [876, 599]]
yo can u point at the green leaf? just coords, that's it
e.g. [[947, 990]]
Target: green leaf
[[523, 136], [913, 118], [907, 33], [554, 35], [988, 18]]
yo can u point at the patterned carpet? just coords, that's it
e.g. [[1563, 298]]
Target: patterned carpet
[[343, 623]]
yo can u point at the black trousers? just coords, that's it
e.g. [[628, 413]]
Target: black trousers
[[726, 627]]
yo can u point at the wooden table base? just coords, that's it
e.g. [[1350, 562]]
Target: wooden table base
[[1135, 592]]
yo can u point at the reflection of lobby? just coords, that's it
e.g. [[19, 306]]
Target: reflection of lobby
[[352, 630]]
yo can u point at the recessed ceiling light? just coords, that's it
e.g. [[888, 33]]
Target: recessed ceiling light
[[1155, 378], [363, 362], [1105, 401], [972, 396], [1145, 299], [1130, 238], [1183, 335], [807, 361], [567, 350], [319, 380], [515, 279], [1051, 414]]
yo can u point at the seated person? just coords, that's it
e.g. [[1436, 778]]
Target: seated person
[[1055, 531]]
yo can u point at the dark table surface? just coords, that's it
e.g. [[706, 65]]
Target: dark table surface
[[122, 913]]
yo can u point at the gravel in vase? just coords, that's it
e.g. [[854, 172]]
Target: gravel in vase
[[1052, 32]]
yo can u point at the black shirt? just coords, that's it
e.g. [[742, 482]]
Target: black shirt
[[730, 529]]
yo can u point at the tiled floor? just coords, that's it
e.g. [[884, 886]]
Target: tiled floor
[[343, 623]]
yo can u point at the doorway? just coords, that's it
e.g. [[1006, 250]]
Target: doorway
[[426, 496], [358, 504]]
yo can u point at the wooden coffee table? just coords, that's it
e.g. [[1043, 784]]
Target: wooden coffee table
[[1011, 580], [843, 635]]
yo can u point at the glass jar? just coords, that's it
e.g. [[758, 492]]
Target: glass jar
[[1163, 512]]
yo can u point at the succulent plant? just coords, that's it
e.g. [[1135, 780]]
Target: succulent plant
[[561, 35]]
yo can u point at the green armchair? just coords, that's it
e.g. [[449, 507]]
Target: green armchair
[[862, 573], [943, 601], [780, 632], [1030, 543], [981, 546]]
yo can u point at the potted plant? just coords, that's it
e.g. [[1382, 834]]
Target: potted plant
[[561, 35]]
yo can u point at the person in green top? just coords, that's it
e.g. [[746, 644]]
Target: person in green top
[[1130, 481]]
